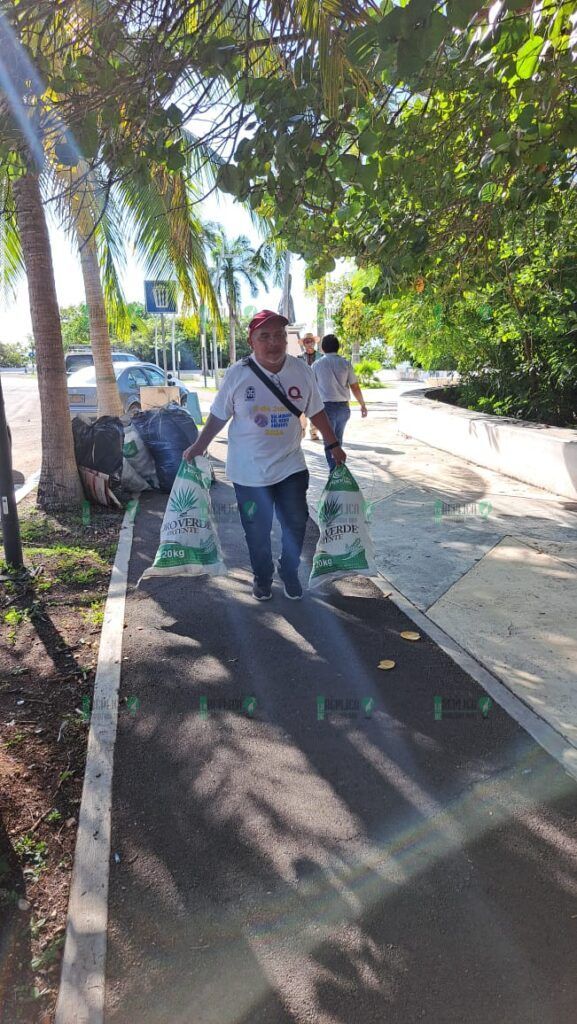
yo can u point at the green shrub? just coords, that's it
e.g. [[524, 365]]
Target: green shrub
[[366, 371]]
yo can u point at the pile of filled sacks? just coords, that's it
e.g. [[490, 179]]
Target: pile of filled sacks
[[137, 455]]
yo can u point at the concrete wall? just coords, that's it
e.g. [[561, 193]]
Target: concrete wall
[[532, 452]]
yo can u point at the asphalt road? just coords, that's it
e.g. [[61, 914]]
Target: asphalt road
[[347, 870], [23, 415]]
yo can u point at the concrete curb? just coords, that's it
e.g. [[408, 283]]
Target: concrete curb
[[544, 734], [533, 453], [28, 485], [82, 981]]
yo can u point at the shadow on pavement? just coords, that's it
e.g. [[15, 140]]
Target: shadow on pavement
[[356, 868]]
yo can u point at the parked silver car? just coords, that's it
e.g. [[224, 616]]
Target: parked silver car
[[76, 360], [131, 378]]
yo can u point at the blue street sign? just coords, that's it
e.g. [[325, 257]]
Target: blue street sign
[[160, 296]]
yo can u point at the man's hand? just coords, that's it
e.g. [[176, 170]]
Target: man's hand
[[208, 433], [194, 450], [363, 411], [339, 455]]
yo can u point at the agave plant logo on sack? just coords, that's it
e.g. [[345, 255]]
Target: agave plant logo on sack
[[329, 510], [183, 501]]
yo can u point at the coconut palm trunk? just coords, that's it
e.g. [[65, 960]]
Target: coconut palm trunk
[[59, 485], [109, 403]]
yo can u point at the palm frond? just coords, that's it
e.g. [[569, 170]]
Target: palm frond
[[169, 237], [88, 211], [11, 259]]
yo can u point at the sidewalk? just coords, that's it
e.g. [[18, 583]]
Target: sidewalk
[[489, 559], [287, 868]]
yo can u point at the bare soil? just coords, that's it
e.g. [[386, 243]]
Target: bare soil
[[50, 623]]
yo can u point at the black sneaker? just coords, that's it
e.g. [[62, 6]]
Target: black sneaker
[[262, 591], [292, 588]]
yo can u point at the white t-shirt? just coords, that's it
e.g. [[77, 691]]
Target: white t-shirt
[[333, 375], [264, 438]]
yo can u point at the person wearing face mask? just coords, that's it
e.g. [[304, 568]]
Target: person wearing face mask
[[263, 396]]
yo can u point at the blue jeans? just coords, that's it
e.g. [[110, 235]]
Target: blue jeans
[[338, 414], [256, 505]]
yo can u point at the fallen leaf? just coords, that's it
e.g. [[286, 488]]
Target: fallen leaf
[[409, 634], [386, 663]]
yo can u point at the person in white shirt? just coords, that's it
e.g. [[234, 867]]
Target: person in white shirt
[[335, 376], [265, 461]]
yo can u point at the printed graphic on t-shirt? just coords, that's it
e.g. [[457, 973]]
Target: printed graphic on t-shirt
[[275, 417]]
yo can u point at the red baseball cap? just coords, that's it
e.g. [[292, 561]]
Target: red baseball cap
[[263, 317]]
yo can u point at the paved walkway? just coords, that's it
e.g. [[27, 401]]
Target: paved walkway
[[491, 560], [295, 868]]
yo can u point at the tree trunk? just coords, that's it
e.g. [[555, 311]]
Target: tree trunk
[[109, 403], [286, 289], [355, 351], [59, 485], [321, 305], [231, 336]]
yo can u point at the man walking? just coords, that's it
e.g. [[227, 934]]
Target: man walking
[[264, 396], [334, 376], [310, 356]]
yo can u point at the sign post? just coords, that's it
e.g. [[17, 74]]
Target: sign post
[[160, 297], [8, 510]]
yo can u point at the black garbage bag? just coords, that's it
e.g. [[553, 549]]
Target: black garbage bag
[[166, 432], [98, 445]]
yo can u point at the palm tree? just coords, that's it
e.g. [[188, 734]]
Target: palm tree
[[59, 485], [157, 213], [234, 261]]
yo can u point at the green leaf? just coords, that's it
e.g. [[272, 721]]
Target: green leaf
[[175, 158], [538, 155], [348, 167], [361, 43], [433, 34], [368, 174], [499, 141], [174, 114], [228, 179], [460, 12], [368, 142], [88, 136], [488, 192], [393, 27], [409, 57], [420, 241], [528, 57], [417, 11], [527, 117]]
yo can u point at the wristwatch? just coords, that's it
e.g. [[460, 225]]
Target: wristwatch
[[335, 444]]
